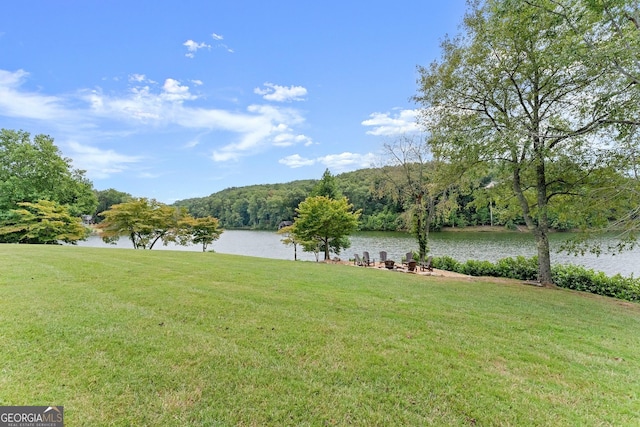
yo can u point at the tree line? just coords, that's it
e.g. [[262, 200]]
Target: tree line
[[265, 206]]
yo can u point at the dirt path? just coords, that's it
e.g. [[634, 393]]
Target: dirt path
[[403, 269]]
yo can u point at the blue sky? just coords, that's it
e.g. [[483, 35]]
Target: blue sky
[[173, 100]]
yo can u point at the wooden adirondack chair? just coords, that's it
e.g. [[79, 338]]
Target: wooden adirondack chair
[[408, 258], [427, 265], [366, 260]]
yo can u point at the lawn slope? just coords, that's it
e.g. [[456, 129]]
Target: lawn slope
[[123, 337]]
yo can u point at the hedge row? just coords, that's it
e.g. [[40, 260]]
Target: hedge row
[[565, 276]]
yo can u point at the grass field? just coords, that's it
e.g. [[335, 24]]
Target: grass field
[[169, 338]]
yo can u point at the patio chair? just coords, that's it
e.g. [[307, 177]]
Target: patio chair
[[383, 256], [426, 265], [366, 260], [357, 260], [408, 258]]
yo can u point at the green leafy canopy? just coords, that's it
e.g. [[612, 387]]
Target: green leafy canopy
[[323, 224]]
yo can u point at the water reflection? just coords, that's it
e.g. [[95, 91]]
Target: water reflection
[[459, 245]]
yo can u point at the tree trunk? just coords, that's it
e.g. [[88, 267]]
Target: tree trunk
[[422, 218], [544, 258], [327, 254], [420, 234], [542, 226]]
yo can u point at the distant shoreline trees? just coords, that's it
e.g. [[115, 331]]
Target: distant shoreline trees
[[483, 201]]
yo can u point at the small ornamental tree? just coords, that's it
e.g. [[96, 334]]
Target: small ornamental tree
[[324, 224], [291, 239], [145, 221], [203, 231], [43, 222]]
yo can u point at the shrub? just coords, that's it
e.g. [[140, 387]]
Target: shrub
[[582, 279], [518, 268], [564, 276], [478, 268], [446, 263]]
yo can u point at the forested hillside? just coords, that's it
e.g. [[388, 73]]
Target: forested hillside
[[265, 206]]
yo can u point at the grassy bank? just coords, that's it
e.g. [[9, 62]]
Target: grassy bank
[[124, 337]]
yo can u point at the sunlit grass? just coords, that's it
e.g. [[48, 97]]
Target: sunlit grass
[[124, 337]]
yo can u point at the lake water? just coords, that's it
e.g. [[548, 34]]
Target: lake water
[[459, 245]]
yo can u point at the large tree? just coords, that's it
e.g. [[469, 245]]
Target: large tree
[[611, 32], [610, 29], [518, 90], [34, 169], [324, 224]]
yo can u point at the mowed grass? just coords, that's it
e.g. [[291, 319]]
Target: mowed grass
[[169, 338]]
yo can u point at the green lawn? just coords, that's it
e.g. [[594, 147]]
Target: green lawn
[[170, 338]]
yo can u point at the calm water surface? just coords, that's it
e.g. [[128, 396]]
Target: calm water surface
[[459, 245]]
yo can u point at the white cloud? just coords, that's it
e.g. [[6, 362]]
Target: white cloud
[[279, 93], [251, 142], [192, 143], [265, 126], [286, 139], [193, 47], [31, 105], [262, 126], [174, 91], [218, 38], [386, 124], [145, 104], [296, 161], [342, 162], [139, 106], [137, 78], [347, 161], [99, 163], [148, 106]]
